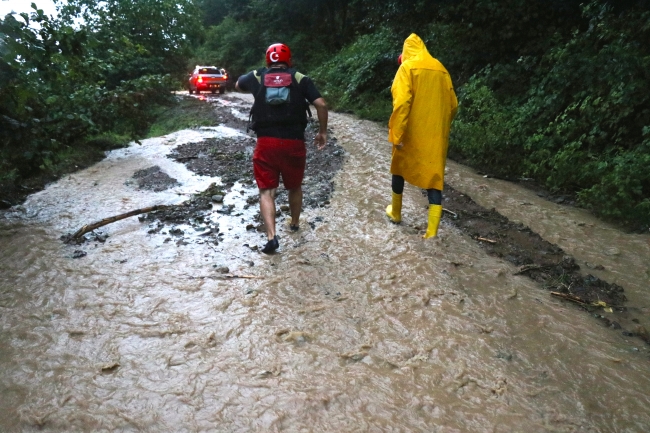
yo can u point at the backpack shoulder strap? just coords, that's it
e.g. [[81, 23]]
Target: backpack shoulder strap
[[259, 76], [298, 76], [258, 73]]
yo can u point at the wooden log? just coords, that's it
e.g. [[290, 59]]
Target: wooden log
[[90, 227], [527, 268], [568, 297], [455, 215], [231, 276]]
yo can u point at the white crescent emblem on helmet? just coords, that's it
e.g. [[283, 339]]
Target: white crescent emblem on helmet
[[274, 56]]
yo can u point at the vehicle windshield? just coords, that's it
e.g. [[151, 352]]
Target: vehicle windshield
[[209, 71]]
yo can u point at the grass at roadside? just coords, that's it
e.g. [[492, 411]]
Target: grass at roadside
[[187, 112]]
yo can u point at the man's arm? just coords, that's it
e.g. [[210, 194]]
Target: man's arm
[[238, 87], [321, 111], [245, 82]]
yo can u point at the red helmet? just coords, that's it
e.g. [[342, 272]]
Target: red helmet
[[278, 53], [399, 60]]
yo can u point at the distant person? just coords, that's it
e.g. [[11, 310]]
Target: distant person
[[279, 115], [424, 104]]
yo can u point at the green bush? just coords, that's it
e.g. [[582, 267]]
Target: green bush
[[359, 77], [62, 83], [622, 192], [578, 122], [587, 116], [484, 133]]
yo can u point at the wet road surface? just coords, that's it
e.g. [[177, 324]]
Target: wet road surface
[[356, 325]]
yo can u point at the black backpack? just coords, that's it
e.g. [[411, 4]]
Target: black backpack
[[279, 101]]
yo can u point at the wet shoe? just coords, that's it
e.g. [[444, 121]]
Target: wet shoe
[[435, 213], [394, 210], [294, 228], [271, 246]]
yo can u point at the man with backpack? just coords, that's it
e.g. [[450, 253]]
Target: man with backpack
[[279, 118]]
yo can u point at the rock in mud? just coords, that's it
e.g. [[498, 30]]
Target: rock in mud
[[110, 368], [226, 210], [296, 337], [154, 179]]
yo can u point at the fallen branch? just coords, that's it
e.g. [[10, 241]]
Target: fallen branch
[[90, 227], [486, 240], [527, 268], [225, 277], [568, 297], [250, 277], [450, 212]]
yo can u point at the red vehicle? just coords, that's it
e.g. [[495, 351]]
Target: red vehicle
[[208, 78]]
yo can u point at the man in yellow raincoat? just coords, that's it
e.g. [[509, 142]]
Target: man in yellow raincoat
[[424, 104]]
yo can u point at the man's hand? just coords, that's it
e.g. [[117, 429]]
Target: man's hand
[[399, 146], [320, 140]]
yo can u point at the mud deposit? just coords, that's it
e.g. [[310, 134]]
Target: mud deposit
[[541, 261], [153, 179], [230, 159]]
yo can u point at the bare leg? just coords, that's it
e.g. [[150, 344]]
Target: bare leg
[[267, 209], [295, 205]]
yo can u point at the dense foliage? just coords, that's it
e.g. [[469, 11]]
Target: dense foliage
[[581, 124], [97, 68], [239, 31], [554, 90]]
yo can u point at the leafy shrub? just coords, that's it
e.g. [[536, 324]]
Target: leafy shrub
[[62, 83], [576, 119], [484, 133], [359, 77], [587, 117], [623, 190]]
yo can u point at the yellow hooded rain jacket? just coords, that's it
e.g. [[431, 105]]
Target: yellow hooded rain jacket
[[424, 104]]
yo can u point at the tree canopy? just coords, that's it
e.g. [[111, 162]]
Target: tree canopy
[[98, 67]]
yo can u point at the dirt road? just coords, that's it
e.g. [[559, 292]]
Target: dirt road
[[356, 325]]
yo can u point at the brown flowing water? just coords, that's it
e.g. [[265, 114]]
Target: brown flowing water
[[356, 325]]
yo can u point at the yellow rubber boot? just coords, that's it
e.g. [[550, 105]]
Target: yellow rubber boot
[[435, 213], [394, 210]]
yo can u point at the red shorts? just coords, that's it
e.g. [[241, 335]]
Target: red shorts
[[279, 156]]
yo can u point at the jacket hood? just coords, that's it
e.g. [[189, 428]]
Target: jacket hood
[[413, 46]]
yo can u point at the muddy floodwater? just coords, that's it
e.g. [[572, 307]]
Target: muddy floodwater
[[356, 325]]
